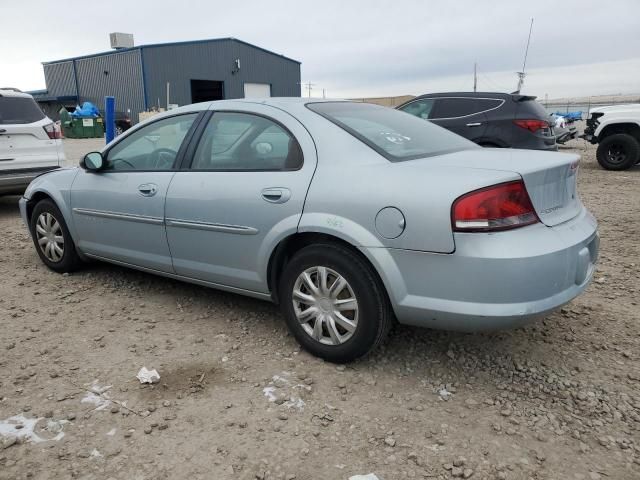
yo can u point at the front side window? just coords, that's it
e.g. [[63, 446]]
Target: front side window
[[240, 141], [419, 108], [153, 147], [392, 133]]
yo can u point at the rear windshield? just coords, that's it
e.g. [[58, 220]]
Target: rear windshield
[[395, 135], [19, 110], [531, 107]]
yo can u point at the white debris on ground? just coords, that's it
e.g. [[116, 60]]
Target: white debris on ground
[[444, 393], [282, 391], [148, 376], [95, 453], [111, 432], [368, 476], [97, 395], [21, 429]]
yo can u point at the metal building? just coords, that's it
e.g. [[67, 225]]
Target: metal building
[[159, 75]]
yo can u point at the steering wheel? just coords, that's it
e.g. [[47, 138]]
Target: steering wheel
[[159, 158]]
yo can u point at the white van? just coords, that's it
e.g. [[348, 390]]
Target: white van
[[30, 143]]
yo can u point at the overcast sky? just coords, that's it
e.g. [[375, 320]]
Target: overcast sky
[[357, 48]]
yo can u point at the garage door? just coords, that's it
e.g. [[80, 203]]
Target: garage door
[[257, 90]]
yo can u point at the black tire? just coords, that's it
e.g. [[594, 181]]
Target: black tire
[[489, 145], [618, 152], [374, 312], [69, 260]]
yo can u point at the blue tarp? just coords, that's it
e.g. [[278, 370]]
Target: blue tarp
[[570, 115], [88, 110]]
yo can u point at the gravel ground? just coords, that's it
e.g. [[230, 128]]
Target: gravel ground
[[559, 399]]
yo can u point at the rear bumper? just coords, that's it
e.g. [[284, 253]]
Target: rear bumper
[[15, 181], [492, 281]]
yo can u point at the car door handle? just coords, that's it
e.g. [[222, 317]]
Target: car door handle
[[148, 189], [475, 124], [276, 195], [2, 130]]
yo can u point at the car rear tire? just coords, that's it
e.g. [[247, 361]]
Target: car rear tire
[[52, 239], [618, 152], [333, 302]]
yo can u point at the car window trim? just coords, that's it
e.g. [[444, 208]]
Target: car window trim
[[465, 98], [181, 150], [197, 138]]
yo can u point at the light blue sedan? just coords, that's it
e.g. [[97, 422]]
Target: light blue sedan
[[348, 215]]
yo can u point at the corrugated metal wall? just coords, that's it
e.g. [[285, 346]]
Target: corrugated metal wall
[[122, 75], [179, 64], [116, 74], [59, 79]]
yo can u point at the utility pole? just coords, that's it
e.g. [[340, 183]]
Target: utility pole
[[308, 86], [475, 77], [522, 74]]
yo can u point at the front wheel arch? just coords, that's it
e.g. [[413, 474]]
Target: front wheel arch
[[36, 198]]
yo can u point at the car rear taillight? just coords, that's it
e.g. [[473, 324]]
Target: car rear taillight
[[499, 207], [532, 125], [52, 131]]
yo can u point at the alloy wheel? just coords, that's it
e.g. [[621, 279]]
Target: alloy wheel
[[325, 305], [49, 236], [616, 154]]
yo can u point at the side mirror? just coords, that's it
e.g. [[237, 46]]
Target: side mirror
[[93, 162]]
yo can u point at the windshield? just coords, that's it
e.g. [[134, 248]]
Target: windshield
[[394, 134], [19, 110]]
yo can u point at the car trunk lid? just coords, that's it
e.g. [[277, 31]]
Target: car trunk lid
[[550, 177]]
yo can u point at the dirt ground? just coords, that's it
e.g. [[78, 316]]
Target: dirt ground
[[237, 398]]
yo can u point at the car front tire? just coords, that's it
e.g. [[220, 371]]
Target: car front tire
[[618, 152], [334, 304], [52, 239]]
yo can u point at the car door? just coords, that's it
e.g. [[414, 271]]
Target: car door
[[461, 115], [118, 212], [242, 193]]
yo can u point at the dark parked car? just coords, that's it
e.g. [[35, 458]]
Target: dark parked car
[[123, 121], [488, 119]]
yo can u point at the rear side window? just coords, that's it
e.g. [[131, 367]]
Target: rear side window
[[19, 110], [392, 133], [234, 141], [485, 104], [454, 107]]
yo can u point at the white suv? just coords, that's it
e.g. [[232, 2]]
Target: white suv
[[30, 142]]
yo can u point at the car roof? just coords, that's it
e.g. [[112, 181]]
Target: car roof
[[283, 103], [468, 94], [6, 92]]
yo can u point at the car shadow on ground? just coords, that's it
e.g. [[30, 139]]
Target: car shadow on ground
[[405, 344], [9, 206]]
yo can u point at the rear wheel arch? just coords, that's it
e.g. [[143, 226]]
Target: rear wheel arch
[[288, 246]]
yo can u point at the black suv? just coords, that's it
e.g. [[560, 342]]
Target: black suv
[[488, 119]]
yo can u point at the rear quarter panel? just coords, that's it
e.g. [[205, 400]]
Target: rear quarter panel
[[353, 183]]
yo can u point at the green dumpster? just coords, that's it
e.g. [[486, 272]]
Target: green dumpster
[[74, 127]]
